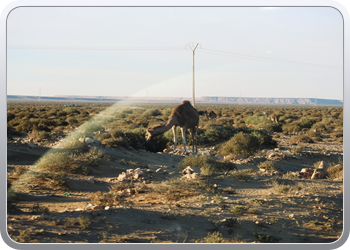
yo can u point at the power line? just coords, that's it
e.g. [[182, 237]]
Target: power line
[[93, 48], [259, 58], [202, 50]]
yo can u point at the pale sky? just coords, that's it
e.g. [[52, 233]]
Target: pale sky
[[128, 51]]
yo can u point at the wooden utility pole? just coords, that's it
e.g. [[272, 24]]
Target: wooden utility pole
[[193, 47]]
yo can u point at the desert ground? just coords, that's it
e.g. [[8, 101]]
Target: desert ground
[[84, 173]]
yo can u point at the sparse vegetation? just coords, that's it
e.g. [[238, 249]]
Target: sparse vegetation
[[66, 166]]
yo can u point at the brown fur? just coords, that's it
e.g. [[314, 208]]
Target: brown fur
[[185, 116], [211, 115], [272, 117]]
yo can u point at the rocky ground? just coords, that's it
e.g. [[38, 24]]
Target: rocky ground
[[161, 206]]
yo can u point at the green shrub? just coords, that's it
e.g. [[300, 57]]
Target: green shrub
[[269, 126], [291, 128], [215, 134], [241, 143], [215, 237], [255, 119], [152, 112], [55, 162], [306, 122], [71, 110], [24, 127]]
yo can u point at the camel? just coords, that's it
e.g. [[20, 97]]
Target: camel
[[211, 115], [272, 117], [186, 117]]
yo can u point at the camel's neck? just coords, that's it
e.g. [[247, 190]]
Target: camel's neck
[[161, 129]]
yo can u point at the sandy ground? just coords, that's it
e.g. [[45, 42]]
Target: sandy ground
[[311, 215]]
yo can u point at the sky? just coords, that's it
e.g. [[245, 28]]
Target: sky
[[281, 52]]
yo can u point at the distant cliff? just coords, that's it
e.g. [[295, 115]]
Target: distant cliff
[[282, 101], [203, 99]]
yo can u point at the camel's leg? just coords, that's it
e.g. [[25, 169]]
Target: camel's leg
[[175, 139], [194, 140], [183, 131]]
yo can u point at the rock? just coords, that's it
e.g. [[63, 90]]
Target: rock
[[90, 141], [190, 176], [91, 180], [239, 157], [306, 173], [271, 155], [190, 170], [291, 216]]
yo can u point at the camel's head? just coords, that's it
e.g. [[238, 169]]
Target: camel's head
[[149, 134]]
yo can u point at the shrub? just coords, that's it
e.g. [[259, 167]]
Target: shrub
[[55, 162], [241, 143], [319, 126], [71, 110], [151, 112], [306, 122], [242, 174], [10, 116], [24, 127], [335, 172], [255, 120], [297, 150], [71, 120], [38, 136], [291, 128], [206, 163], [216, 134], [215, 237], [300, 139], [267, 165], [269, 126], [237, 210]]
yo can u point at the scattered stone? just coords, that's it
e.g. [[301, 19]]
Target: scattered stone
[[271, 155], [191, 170], [91, 180], [167, 150], [307, 173]]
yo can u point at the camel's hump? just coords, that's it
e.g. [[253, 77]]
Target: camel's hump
[[186, 102]]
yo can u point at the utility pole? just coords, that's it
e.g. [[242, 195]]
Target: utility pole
[[193, 47]]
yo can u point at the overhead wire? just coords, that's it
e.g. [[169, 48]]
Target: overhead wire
[[200, 49], [259, 58]]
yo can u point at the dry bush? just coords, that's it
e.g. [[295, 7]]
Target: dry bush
[[178, 188], [268, 165], [206, 163], [300, 139], [55, 181], [39, 136], [291, 128], [242, 174], [335, 172]]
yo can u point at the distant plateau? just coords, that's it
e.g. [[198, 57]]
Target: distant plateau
[[203, 99]]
